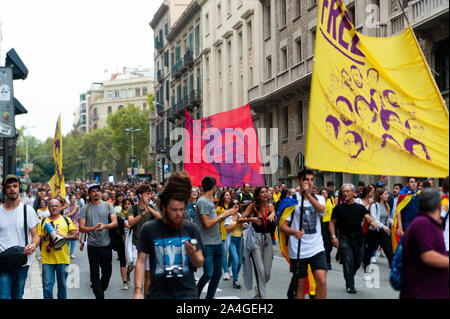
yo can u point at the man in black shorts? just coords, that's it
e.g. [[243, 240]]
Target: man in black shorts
[[312, 251]]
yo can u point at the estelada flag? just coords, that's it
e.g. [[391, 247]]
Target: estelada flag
[[57, 184], [375, 107], [224, 146]]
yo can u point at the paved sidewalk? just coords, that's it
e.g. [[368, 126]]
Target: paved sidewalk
[[33, 287]]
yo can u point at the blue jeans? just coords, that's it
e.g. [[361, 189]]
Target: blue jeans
[[72, 246], [236, 256], [12, 284], [212, 269], [48, 280], [225, 263]]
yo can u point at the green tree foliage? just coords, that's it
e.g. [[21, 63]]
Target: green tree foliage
[[108, 148]]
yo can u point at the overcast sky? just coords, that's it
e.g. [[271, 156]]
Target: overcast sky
[[66, 45]]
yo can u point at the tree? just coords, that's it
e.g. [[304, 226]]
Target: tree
[[130, 117]]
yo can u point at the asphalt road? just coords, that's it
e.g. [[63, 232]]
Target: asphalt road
[[79, 283]]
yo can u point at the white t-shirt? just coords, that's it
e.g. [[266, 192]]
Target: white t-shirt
[[312, 242], [11, 227]]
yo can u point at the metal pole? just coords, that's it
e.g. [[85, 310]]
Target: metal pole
[[132, 160]]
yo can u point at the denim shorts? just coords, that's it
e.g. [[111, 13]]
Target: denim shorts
[[299, 267]]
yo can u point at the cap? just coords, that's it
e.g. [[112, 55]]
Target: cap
[[9, 178], [93, 186]]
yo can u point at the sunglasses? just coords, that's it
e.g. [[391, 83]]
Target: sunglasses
[[235, 203]]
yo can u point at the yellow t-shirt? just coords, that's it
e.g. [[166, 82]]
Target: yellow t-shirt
[[237, 231], [56, 256], [276, 197], [329, 205], [223, 231]]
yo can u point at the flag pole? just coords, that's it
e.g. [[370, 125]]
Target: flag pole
[[403, 10]]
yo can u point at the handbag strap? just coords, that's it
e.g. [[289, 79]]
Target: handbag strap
[[25, 224]]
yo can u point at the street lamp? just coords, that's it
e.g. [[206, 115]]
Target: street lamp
[[132, 131]]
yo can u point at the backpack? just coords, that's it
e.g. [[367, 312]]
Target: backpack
[[396, 276], [116, 240]]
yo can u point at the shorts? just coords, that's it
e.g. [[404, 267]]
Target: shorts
[[135, 253], [317, 262]]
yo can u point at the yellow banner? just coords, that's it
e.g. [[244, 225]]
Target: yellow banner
[[57, 183], [375, 107]]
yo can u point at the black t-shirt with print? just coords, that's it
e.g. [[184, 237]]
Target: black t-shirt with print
[[349, 218], [166, 248]]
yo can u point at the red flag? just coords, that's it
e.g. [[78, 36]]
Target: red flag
[[224, 146]]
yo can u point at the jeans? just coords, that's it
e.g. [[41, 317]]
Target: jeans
[[48, 280], [351, 250], [226, 246], [72, 246], [12, 284], [374, 239], [212, 269], [236, 256], [100, 257]]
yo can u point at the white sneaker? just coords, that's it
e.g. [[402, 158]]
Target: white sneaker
[[73, 256], [226, 276], [125, 286], [367, 276], [373, 260]]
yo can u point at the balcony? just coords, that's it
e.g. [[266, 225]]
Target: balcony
[[426, 14], [381, 31], [176, 69], [159, 44], [194, 99], [160, 76], [159, 108], [188, 61]]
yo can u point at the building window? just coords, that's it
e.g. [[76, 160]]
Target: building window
[[166, 29], [249, 35], [109, 109], [219, 14], [138, 92], [298, 8], [123, 93], [240, 45], [207, 23], [116, 94], [285, 124], [442, 65], [283, 59], [298, 49], [269, 67], [144, 91], [267, 22], [130, 92], [283, 13], [313, 40], [110, 95], [197, 40], [300, 117], [120, 107]]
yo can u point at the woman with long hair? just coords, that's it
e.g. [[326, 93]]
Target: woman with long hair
[[379, 211], [190, 209], [263, 218], [366, 195], [224, 206], [72, 211], [234, 228]]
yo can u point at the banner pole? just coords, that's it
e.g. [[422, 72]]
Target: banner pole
[[403, 10]]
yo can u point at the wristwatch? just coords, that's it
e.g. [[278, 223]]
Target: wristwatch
[[333, 236]]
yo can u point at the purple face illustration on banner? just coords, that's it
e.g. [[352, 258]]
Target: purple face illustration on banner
[[416, 148], [391, 98], [353, 143], [373, 78], [357, 76], [332, 127], [415, 129], [345, 109]]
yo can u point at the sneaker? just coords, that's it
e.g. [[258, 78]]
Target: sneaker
[[351, 290], [125, 286], [367, 276], [73, 256], [226, 276], [236, 285], [373, 260]]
